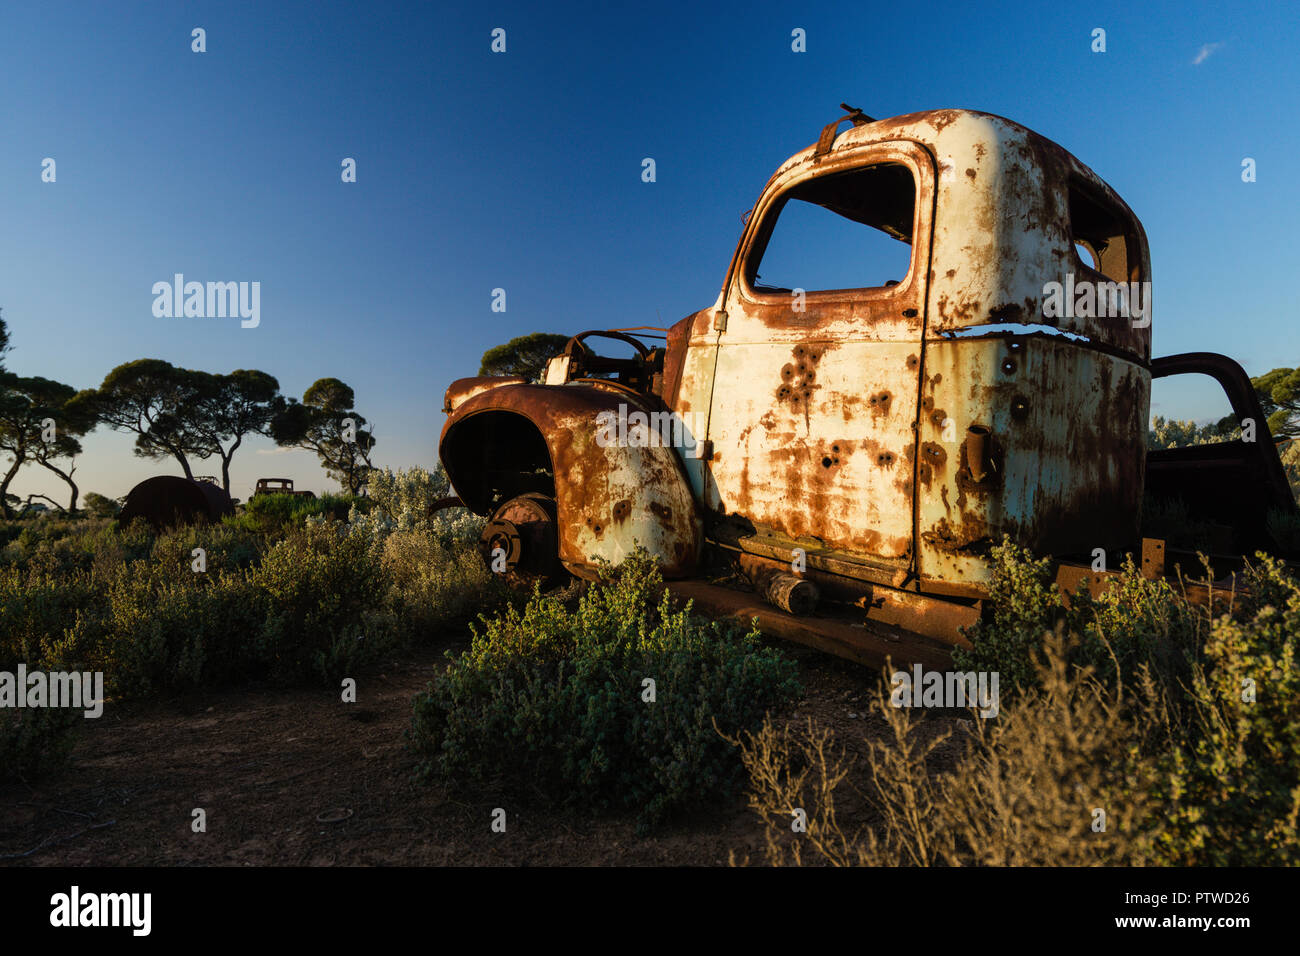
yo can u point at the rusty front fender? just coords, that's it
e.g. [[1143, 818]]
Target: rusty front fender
[[609, 499]]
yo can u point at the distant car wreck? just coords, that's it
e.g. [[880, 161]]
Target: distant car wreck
[[169, 501]]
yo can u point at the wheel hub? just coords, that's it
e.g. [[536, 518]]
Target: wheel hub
[[523, 532]]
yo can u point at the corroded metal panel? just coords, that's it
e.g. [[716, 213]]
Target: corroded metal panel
[[814, 398], [1002, 225], [1061, 430], [609, 497]]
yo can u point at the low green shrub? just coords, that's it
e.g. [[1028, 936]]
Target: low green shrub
[[433, 585], [314, 600], [552, 701], [38, 607], [401, 501], [171, 629], [1137, 621], [1023, 605], [1212, 703], [1231, 790], [271, 514], [326, 613], [225, 548], [34, 741]]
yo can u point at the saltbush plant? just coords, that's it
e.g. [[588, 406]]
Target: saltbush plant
[[296, 601], [1231, 789], [275, 513], [433, 584], [34, 741], [401, 501], [325, 603], [170, 629], [292, 597], [555, 703], [1136, 621]]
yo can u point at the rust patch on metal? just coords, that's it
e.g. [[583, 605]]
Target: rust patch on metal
[[838, 450], [971, 533], [464, 389], [935, 454], [879, 403], [663, 513]]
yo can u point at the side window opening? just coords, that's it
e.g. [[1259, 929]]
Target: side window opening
[[849, 230], [1101, 238]]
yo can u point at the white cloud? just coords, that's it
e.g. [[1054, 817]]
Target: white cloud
[[1204, 53]]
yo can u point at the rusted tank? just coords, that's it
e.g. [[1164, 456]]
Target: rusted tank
[[875, 440], [168, 501]]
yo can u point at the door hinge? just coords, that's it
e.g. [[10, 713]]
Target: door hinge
[[720, 320]]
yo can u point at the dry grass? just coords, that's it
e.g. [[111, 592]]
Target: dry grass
[[1024, 790]]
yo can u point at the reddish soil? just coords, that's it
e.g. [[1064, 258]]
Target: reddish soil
[[268, 764]]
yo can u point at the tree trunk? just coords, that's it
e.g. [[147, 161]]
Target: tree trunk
[[4, 484], [185, 464], [32, 497], [67, 479], [226, 457]]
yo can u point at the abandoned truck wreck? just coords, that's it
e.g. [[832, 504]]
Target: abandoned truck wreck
[[857, 451]]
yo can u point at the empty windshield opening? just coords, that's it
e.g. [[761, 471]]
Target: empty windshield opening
[[848, 230]]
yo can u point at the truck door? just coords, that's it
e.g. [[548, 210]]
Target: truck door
[[812, 420]]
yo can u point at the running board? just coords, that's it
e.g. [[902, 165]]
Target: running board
[[866, 642]]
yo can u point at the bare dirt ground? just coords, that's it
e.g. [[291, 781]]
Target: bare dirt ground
[[270, 766]]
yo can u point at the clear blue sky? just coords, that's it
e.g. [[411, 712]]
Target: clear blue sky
[[522, 170]]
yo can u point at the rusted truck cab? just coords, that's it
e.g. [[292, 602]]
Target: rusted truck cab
[[907, 426], [874, 429]]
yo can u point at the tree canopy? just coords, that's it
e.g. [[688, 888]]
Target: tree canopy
[[326, 423], [29, 406], [239, 404], [525, 356], [182, 413], [159, 403], [1279, 393], [176, 413]]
